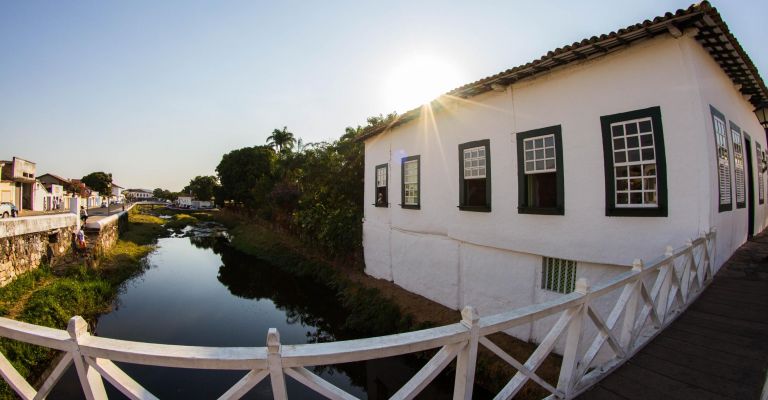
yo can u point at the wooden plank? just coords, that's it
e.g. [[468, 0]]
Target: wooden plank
[[318, 384], [600, 393], [637, 383], [38, 335], [370, 348], [759, 344], [712, 320], [713, 344], [706, 354], [487, 343], [710, 382]]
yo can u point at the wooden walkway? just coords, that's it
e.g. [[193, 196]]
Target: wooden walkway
[[718, 348]]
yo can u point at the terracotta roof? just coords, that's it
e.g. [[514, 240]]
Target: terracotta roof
[[713, 34]]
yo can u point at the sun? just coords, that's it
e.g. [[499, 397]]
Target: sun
[[419, 79]]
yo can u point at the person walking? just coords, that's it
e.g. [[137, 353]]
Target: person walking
[[83, 215]]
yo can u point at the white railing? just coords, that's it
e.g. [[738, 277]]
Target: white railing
[[650, 298]]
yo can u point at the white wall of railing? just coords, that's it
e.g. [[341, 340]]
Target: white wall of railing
[[650, 297]]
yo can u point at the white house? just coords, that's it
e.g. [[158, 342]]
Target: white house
[[138, 194], [184, 201], [201, 204], [504, 191], [117, 193]]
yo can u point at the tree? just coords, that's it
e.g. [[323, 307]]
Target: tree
[[202, 187], [246, 176], [99, 181], [164, 194], [281, 140]]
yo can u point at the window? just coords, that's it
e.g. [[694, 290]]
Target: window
[[475, 176], [558, 275], [723, 161], [410, 169], [540, 171], [760, 173], [635, 164], [738, 166], [382, 181]]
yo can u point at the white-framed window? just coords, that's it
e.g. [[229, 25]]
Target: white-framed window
[[474, 163], [540, 154], [738, 166], [411, 185], [382, 182], [558, 275], [634, 162]]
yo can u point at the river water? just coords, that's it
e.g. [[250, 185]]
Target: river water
[[200, 291]]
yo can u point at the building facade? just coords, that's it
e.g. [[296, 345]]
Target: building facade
[[505, 191]]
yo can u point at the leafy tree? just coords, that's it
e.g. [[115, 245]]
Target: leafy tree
[[281, 140], [99, 181], [202, 187], [246, 176], [164, 194]]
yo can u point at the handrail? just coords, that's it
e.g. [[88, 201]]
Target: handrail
[[640, 312]]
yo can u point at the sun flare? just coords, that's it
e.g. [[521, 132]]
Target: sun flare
[[419, 79]]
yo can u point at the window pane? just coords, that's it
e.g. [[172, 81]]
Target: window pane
[[621, 171], [645, 126], [646, 140], [549, 141], [622, 198], [528, 145], [649, 169], [631, 128], [634, 155], [621, 184], [529, 155], [618, 144], [634, 170], [633, 141], [620, 157], [550, 164], [635, 184], [617, 130], [636, 198], [648, 154], [542, 190], [650, 197], [474, 192]]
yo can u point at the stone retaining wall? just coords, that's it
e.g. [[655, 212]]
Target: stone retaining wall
[[22, 253]]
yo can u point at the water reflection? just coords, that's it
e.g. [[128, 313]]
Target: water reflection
[[200, 291]]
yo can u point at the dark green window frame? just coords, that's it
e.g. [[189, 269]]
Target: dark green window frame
[[462, 192], [385, 202], [722, 161], [522, 183], [611, 210], [404, 160]]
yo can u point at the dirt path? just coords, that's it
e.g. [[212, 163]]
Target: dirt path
[[21, 302]]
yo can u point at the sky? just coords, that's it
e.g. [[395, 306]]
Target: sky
[[155, 92]]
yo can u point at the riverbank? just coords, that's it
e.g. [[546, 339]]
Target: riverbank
[[377, 307], [51, 296]]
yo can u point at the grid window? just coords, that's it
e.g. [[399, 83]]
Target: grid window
[[539, 171], [540, 154], [558, 275], [635, 164], [634, 160], [410, 187], [474, 163], [723, 161], [382, 182], [738, 166], [475, 176]]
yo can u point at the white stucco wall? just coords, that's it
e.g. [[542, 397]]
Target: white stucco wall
[[493, 260]]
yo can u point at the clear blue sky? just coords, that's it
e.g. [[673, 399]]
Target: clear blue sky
[[156, 91]]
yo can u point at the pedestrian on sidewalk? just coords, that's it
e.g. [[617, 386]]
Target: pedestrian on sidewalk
[[83, 214]]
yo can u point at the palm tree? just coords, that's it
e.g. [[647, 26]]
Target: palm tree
[[281, 139]]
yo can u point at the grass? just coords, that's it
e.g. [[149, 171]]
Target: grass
[[44, 298]]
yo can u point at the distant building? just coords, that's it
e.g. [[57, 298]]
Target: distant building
[[18, 182], [201, 204], [184, 201], [117, 192], [138, 194]]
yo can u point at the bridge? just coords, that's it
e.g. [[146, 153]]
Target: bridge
[[605, 355]]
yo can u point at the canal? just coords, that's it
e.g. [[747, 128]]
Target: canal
[[200, 291]]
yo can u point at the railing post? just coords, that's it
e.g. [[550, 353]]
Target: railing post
[[569, 366], [90, 380], [630, 312], [690, 268], [665, 284], [466, 361], [275, 364], [713, 253]]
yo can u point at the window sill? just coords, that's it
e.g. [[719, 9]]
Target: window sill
[[541, 211], [475, 208], [636, 212], [410, 207], [381, 205]]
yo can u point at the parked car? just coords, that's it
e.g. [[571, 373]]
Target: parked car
[[8, 210]]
